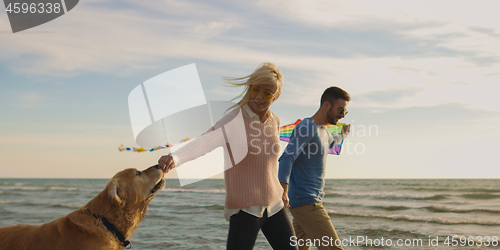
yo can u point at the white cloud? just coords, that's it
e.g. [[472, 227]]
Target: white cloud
[[336, 13], [436, 79], [468, 29], [327, 13], [27, 100], [211, 29], [99, 40]]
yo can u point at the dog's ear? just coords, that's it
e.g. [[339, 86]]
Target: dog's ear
[[114, 190]]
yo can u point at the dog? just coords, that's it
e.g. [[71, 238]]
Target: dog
[[106, 222]]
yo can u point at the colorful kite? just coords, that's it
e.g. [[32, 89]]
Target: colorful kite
[[286, 133], [141, 149]]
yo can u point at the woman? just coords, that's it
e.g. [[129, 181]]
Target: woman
[[253, 192]]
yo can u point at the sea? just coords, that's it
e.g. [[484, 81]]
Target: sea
[[374, 213]]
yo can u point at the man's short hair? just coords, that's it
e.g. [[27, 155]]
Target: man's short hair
[[331, 95]]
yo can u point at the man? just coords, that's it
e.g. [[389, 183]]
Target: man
[[302, 171]]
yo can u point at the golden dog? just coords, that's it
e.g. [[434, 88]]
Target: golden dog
[[106, 222]]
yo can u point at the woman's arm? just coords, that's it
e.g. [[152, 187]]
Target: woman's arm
[[200, 146], [194, 149]]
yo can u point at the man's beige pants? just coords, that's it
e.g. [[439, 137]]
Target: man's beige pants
[[311, 221]]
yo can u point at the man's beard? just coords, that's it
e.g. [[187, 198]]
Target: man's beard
[[330, 119]]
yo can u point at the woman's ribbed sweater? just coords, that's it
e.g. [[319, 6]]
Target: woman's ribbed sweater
[[254, 180]]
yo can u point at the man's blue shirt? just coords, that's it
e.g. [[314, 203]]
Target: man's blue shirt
[[302, 164]]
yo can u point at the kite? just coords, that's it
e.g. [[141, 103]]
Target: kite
[[286, 133], [141, 149]]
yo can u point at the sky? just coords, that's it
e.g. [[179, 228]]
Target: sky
[[423, 77]]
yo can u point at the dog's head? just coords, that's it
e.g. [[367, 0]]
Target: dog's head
[[126, 197], [132, 187]]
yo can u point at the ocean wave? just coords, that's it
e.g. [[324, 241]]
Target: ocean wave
[[70, 205], [209, 207], [395, 196], [481, 196], [427, 189], [332, 195], [32, 204], [63, 189], [9, 185], [389, 232], [207, 191], [170, 217], [458, 190], [36, 188], [5, 212], [434, 197], [397, 217], [399, 183], [37, 204], [447, 209], [391, 208], [481, 190], [432, 209], [17, 188], [214, 207], [7, 202], [379, 207]]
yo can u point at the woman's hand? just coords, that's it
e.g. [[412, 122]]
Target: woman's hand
[[285, 200], [166, 162], [284, 197]]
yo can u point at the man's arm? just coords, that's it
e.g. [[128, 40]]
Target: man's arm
[[301, 136], [346, 130], [338, 138]]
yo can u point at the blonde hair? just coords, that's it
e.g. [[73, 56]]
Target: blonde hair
[[266, 73]]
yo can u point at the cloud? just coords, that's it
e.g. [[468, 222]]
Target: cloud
[[336, 13], [390, 96], [436, 140], [486, 31], [27, 100], [98, 38], [367, 48], [211, 29], [395, 28], [432, 81], [104, 37], [444, 116]]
